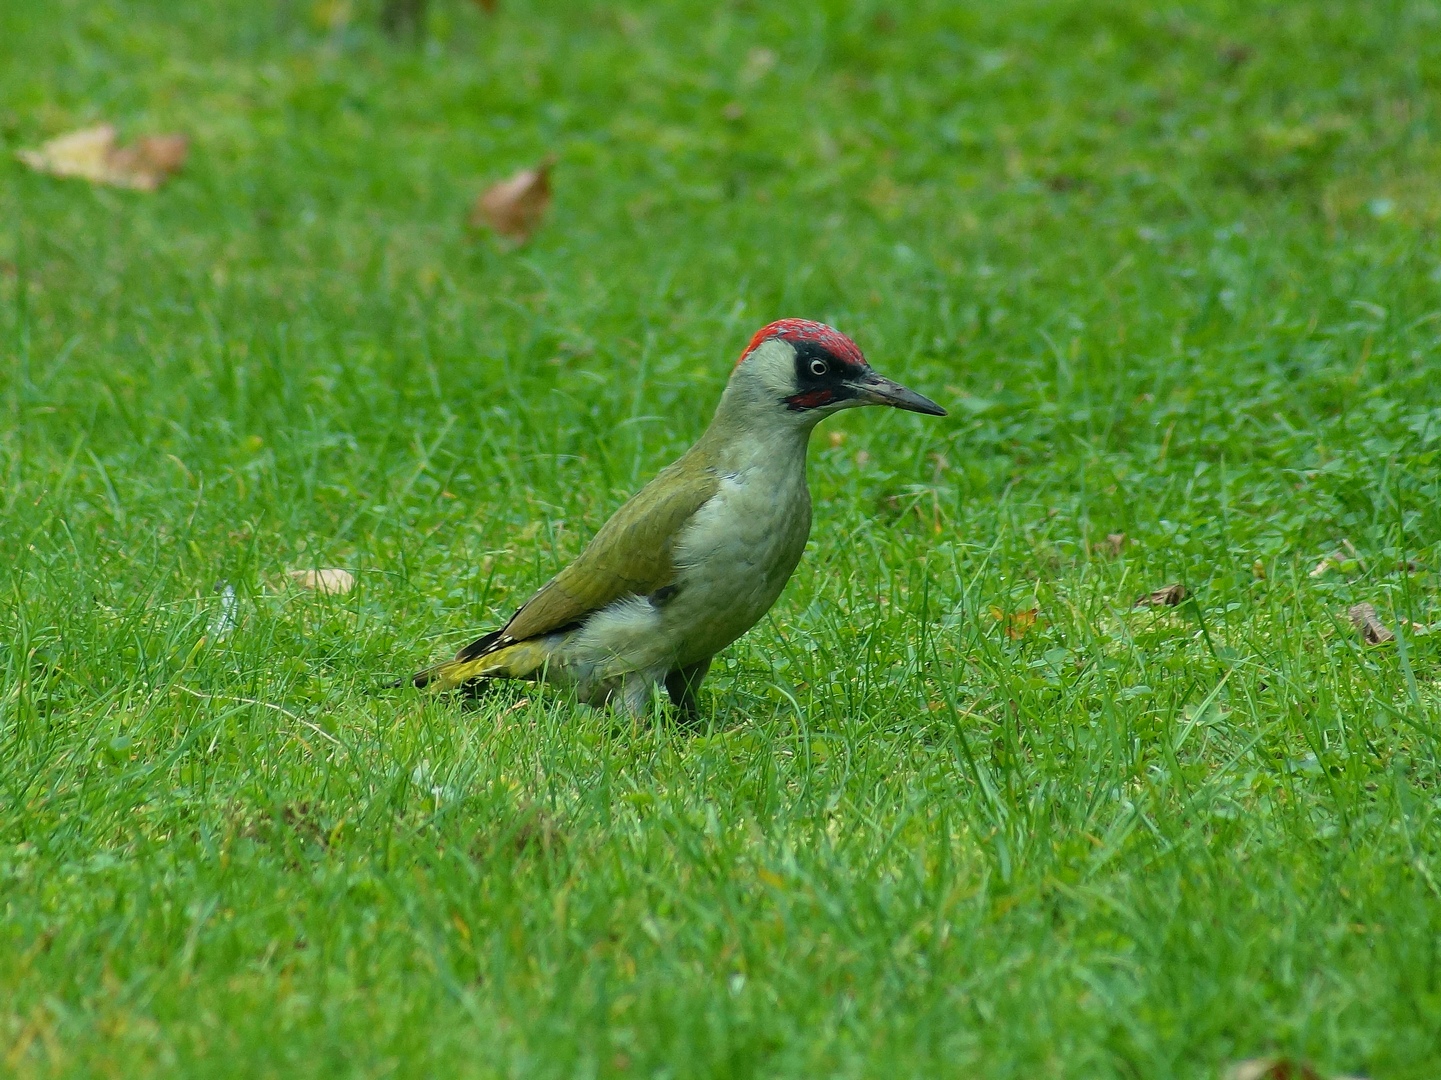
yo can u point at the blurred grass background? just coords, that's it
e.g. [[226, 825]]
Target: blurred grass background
[[1173, 270]]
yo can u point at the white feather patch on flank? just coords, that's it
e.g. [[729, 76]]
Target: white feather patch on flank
[[623, 636]]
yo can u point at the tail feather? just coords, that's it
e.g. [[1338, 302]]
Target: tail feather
[[519, 661], [480, 646]]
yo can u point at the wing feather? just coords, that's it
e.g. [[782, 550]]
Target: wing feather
[[632, 555]]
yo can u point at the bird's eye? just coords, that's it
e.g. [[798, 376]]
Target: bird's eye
[[818, 367]]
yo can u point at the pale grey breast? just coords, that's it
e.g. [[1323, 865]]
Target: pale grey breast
[[736, 556]]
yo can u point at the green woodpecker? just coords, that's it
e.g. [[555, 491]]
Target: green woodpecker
[[700, 554]]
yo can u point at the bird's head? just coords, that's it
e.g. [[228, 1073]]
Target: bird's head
[[801, 371]]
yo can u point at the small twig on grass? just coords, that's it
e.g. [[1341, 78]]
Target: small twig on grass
[[266, 705]]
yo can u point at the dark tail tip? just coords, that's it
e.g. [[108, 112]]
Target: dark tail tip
[[420, 680]]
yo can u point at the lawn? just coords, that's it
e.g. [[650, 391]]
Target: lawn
[[957, 807]]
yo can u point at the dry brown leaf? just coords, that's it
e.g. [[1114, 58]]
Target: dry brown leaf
[[160, 156], [514, 207], [1015, 624], [83, 154], [332, 581], [1365, 619], [93, 154], [1272, 1069], [1115, 543], [1169, 596]]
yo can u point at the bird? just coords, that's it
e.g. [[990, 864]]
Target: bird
[[696, 557]]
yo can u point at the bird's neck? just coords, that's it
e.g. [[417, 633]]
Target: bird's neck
[[750, 430]]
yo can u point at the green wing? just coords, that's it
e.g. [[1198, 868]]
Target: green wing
[[630, 556]]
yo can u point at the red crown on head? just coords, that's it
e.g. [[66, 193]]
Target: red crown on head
[[798, 330]]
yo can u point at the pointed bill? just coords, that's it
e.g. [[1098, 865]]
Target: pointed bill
[[883, 391]]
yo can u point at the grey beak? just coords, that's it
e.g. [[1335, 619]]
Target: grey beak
[[878, 390]]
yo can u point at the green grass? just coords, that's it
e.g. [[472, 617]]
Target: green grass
[[1174, 271]]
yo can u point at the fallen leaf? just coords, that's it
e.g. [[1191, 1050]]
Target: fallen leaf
[[81, 153], [1169, 596], [514, 207], [1114, 543], [1015, 624], [1365, 619], [1272, 1069], [93, 154], [332, 581], [154, 157]]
